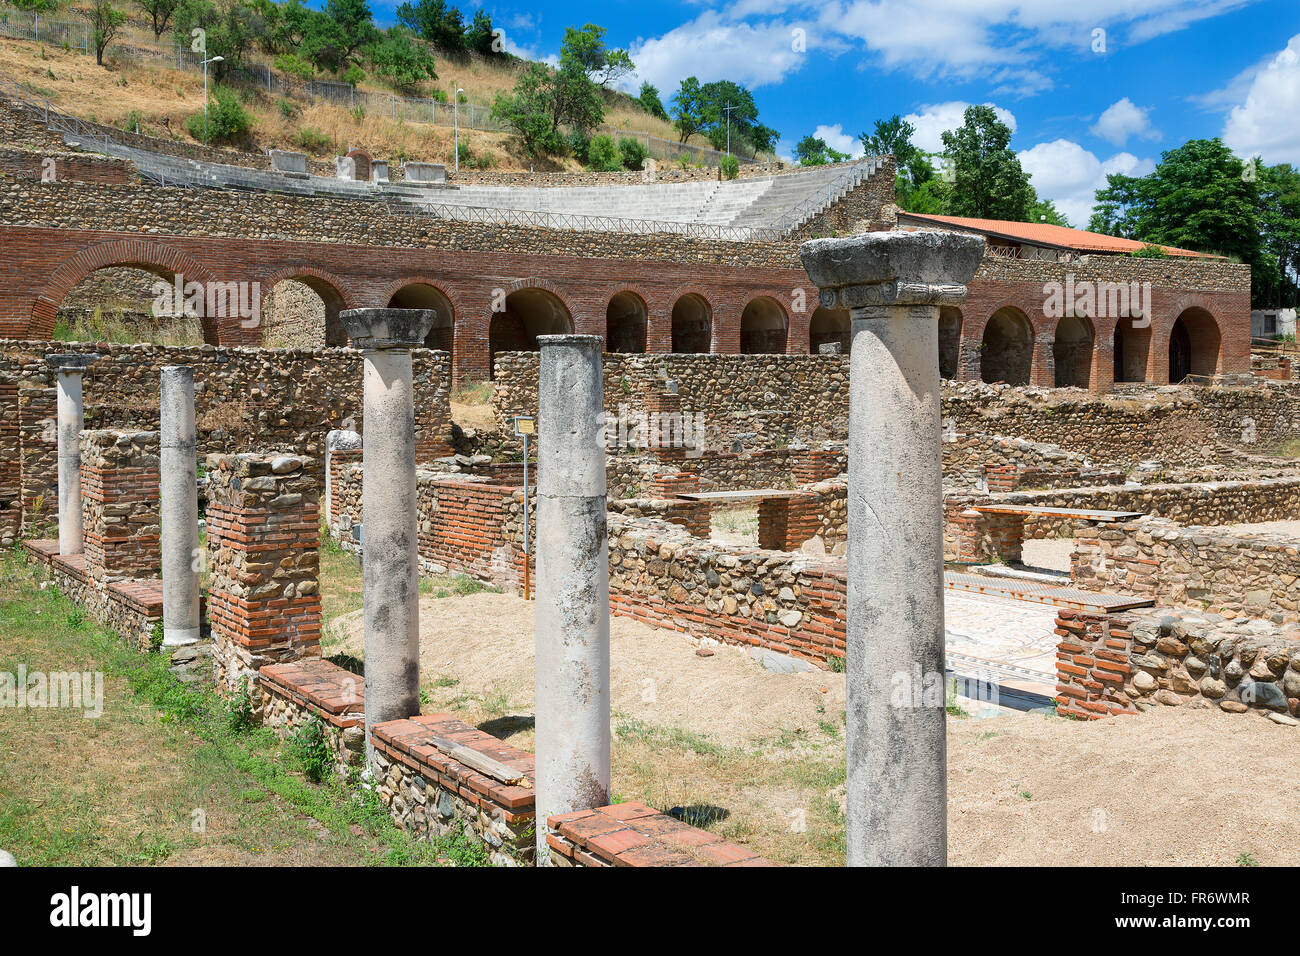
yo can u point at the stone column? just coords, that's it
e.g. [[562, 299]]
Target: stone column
[[572, 617], [390, 553], [180, 507], [894, 284], [68, 372]]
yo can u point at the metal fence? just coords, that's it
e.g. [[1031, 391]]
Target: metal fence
[[76, 35]]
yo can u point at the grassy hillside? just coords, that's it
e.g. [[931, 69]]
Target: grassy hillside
[[146, 93]]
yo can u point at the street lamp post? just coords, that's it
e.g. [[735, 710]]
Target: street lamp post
[[455, 98], [727, 110], [215, 59]]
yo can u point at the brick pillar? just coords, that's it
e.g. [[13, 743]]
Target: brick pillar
[[668, 484], [340, 460], [11, 471], [815, 464], [664, 423], [38, 441], [119, 504], [263, 594], [1002, 477], [784, 524], [976, 537]]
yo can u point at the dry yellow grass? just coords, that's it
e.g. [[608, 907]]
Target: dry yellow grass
[[159, 99]]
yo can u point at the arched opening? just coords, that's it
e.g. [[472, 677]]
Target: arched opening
[[692, 324], [949, 341], [1132, 348], [528, 314], [1007, 350], [421, 295], [361, 165], [829, 326], [1193, 345], [762, 327], [303, 312], [625, 322], [1072, 352], [127, 304]]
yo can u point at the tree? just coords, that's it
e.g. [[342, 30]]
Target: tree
[[400, 58], [543, 99], [586, 49], [988, 181], [688, 108], [1279, 197], [435, 21], [105, 22], [731, 116], [650, 101], [813, 151], [356, 27], [893, 137], [480, 37], [37, 6], [1202, 197], [160, 13], [229, 30], [1044, 210]]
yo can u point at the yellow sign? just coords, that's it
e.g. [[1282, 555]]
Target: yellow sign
[[524, 426]]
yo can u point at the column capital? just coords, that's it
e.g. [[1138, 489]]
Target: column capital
[[387, 328], [892, 268], [72, 361]]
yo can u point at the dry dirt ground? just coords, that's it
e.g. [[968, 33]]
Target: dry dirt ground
[[765, 753]]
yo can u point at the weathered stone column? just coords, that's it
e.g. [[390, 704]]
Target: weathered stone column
[[180, 507], [71, 416], [390, 562], [894, 284], [572, 617]]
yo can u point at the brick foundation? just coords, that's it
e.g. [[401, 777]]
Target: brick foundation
[[784, 524], [978, 537], [633, 834]]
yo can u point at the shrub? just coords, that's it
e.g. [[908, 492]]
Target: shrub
[[578, 143], [463, 152], [312, 140], [312, 749], [730, 167], [293, 65], [227, 120], [286, 108], [634, 154], [354, 75], [603, 155]]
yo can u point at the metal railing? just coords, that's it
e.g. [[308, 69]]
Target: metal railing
[[836, 190]]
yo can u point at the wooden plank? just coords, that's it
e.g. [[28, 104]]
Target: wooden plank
[[480, 762], [1050, 512]]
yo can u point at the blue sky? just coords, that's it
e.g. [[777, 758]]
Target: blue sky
[[1088, 86]]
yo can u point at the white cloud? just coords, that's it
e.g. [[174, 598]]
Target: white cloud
[[1265, 124], [838, 140], [1069, 175], [1123, 119], [932, 121], [712, 47]]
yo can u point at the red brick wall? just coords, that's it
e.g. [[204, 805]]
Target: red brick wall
[[67, 167], [1092, 664]]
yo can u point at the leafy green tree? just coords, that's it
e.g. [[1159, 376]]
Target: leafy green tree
[[586, 49], [893, 137], [1044, 210], [37, 6], [159, 13], [813, 151], [543, 99], [650, 101], [479, 37], [105, 22], [988, 181], [688, 108], [1279, 197], [929, 198], [633, 152], [436, 21], [1199, 197], [730, 114], [355, 25], [401, 59]]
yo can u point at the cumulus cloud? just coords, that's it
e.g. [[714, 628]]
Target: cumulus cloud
[[1069, 175], [715, 47], [838, 140], [1265, 124], [932, 121], [1123, 119]]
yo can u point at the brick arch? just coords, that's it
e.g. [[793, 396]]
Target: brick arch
[[629, 289], [781, 303], [546, 285], [156, 257], [506, 332], [314, 278], [660, 331], [443, 339], [1000, 360]]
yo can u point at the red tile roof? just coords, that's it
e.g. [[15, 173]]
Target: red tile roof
[[1046, 234]]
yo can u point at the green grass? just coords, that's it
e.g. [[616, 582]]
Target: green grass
[[128, 787]]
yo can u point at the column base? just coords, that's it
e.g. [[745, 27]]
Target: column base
[[180, 636]]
